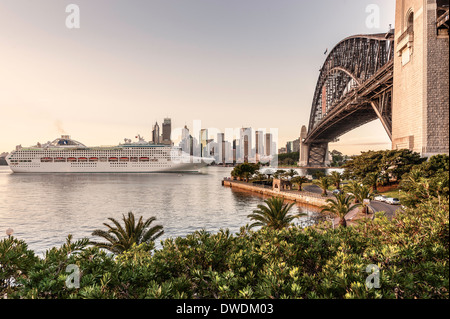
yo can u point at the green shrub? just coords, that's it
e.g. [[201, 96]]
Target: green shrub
[[411, 251]]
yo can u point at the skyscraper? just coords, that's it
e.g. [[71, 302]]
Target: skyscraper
[[204, 142], [222, 150], [155, 134], [245, 143], [166, 131], [259, 145], [268, 144]]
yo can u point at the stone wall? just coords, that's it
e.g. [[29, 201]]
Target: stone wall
[[420, 111], [303, 197], [437, 86]]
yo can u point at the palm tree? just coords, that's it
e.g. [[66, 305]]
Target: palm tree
[[353, 188], [279, 174], [120, 239], [323, 183], [372, 180], [299, 180], [274, 214], [259, 177], [363, 192], [336, 179], [291, 173], [340, 207]]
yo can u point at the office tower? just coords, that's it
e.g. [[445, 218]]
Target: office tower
[[245, 143], [166, 131], [221, 148], [268, 144], [259, 145], [155, 134], [204, 142]]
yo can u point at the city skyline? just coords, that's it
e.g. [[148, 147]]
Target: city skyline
[[234, 64]]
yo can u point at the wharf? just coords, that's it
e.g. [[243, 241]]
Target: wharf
[[304, 197]]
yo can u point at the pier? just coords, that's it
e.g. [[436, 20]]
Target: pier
[[303, 197]]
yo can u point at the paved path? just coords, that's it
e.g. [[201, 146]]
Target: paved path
[[384, 207], [314, 189]]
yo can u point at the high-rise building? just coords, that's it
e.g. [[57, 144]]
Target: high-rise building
[[166, 131], [268, 144], [245, 143], [204, 142], [155, 134], [235, 151], [221, 158], [186, 142], [259, 145]]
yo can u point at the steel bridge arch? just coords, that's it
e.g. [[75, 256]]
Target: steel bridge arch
[[355, 82]]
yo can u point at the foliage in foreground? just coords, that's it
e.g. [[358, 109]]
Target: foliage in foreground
[[120, 238], [411, 251]]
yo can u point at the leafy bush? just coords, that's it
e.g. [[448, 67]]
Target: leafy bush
[[411, 251]]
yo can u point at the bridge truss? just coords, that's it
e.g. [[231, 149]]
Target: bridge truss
[[354, 88]]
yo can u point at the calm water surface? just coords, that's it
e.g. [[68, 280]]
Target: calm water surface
[[44, 208]]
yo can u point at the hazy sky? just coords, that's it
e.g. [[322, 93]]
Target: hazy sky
[[228, 63]]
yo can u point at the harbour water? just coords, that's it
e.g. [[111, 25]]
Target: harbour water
[[44, 208]]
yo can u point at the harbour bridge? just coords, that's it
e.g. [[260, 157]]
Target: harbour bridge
[[354, 87], [400, 78]]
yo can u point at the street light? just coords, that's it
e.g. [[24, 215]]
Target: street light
[[9, 232]]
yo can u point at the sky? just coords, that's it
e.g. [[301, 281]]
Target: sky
[[226, 63]]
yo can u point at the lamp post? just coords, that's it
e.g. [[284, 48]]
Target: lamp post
[[9, 232]]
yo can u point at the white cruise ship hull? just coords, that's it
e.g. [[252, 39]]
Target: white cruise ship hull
[[104, 167], [68, 156]]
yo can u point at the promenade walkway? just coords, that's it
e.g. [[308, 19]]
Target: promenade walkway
[[311, 196]]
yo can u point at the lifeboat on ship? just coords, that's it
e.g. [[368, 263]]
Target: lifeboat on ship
[[71, 159], [93, 159], [113, 159], [124, 159], [144, 159], [60, 159], [46, 159], [82, 159]]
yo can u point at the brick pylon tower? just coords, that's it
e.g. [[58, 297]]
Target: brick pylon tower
[[420, 112]]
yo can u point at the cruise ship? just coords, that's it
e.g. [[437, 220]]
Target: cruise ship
[[65, 155]]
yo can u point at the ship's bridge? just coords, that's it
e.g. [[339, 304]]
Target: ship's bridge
[[65, 141]]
